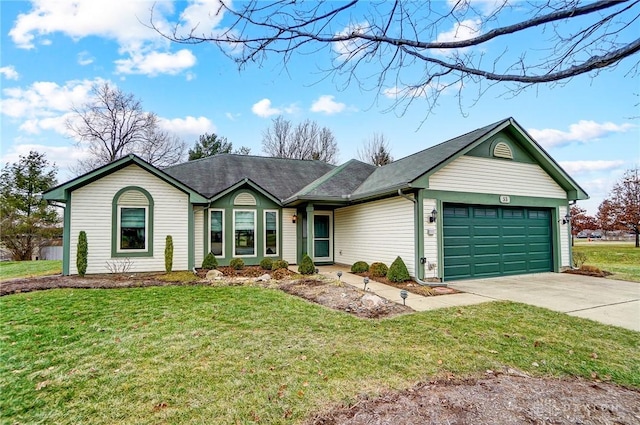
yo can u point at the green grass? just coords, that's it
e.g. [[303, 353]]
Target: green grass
[[200, 354], [620, 258], [14, 269]]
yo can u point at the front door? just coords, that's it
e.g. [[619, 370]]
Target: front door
[[322, 237]]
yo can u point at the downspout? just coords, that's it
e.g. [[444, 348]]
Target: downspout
[[417, 279]]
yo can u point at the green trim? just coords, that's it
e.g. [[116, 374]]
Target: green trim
[[66, 235], [58, 193], [309, 211], [419, 234], [114, 225], [485, 149], [205, 232], [492, 199], [252, 185], [191, 244], [440, 240]]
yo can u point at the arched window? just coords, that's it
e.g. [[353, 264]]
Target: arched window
[[132, 223]]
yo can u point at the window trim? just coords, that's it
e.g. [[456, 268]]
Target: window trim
[[222, 211], [119, 248], [255, 233], [116, 252], [264, 231]]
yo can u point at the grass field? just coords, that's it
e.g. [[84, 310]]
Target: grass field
[[199, 354], [620, 258], [13, 269]]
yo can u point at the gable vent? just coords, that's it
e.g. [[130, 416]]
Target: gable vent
[[502, 150], [244, 199], [133, 197]]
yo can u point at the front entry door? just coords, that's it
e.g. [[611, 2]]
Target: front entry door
[[322, 237]]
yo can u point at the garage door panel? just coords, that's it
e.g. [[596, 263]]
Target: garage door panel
[[495, 241]]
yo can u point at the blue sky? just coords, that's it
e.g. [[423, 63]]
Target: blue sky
[[53, 52]]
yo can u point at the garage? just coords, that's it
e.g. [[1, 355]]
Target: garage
[[488, 241]]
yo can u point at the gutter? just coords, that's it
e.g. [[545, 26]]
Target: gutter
[[417, 263]]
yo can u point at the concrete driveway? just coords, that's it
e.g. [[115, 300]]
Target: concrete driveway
[[613, 302]]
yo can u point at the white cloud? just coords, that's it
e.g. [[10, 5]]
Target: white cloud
[[84, 58], [263, 109], [350, 49], [579, 167], [582, 132], [231, 116], [45, 99], [144, 49], [327, 105], [484, 7], [154, 63], [464, 30], [189, 126], [9, 72]]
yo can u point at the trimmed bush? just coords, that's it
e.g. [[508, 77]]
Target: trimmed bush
[[266, 264], [306, 265], [83, 252], [398, 271], [168, 254], [210, 262], [359, 267], [236, 263], [279, 264], [378, 269]]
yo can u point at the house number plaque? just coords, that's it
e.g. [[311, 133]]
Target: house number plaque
[[504, 199]]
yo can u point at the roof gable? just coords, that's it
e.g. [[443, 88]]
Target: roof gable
[[59, 193]]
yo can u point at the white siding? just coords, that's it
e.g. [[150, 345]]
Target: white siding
[[375, 231], [289, 242], [565, 239], [198, 235], [430, 240], [484, 175], [91, 212]]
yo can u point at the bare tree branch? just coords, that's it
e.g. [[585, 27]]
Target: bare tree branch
[[304, 141]]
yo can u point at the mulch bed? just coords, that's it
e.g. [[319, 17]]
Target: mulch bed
[[412, 286]]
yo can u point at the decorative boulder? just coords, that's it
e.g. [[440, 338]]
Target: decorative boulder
[[213, 275]]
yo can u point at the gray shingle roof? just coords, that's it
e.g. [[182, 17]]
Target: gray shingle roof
[[279, 176], [403, 171], [339, 182]]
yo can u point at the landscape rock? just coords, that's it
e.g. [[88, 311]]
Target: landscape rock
[[264, 278], [214, 275], [372, 300]]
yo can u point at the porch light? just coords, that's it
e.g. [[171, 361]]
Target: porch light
[[294, 218], [366, 282], [434, 214], [404, 294], [566, 219]]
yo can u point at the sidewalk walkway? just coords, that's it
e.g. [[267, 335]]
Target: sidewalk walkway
[[416, 302]]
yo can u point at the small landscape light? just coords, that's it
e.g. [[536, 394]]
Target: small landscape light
[[339, 274], [366, 282], [404, 294]]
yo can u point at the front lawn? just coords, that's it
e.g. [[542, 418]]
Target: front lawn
[[202, 354], [620, 258], [15, 269]]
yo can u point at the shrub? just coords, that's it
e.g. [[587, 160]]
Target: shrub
[[398, 271], [83, 252], [359, 267], [210, 262], [168, 254], [579, 259], [306, 265], [279, 264], [378, 269], [236, 263], [280, 274], [266, 264]]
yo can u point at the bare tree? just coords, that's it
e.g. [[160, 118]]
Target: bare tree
[[622, 208], [375, 150], [409, 50], [307, 140], [113, 124]]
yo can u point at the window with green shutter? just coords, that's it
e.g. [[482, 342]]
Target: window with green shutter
[[244, 228]]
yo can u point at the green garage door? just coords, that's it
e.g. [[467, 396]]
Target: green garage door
[[486, 241]]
